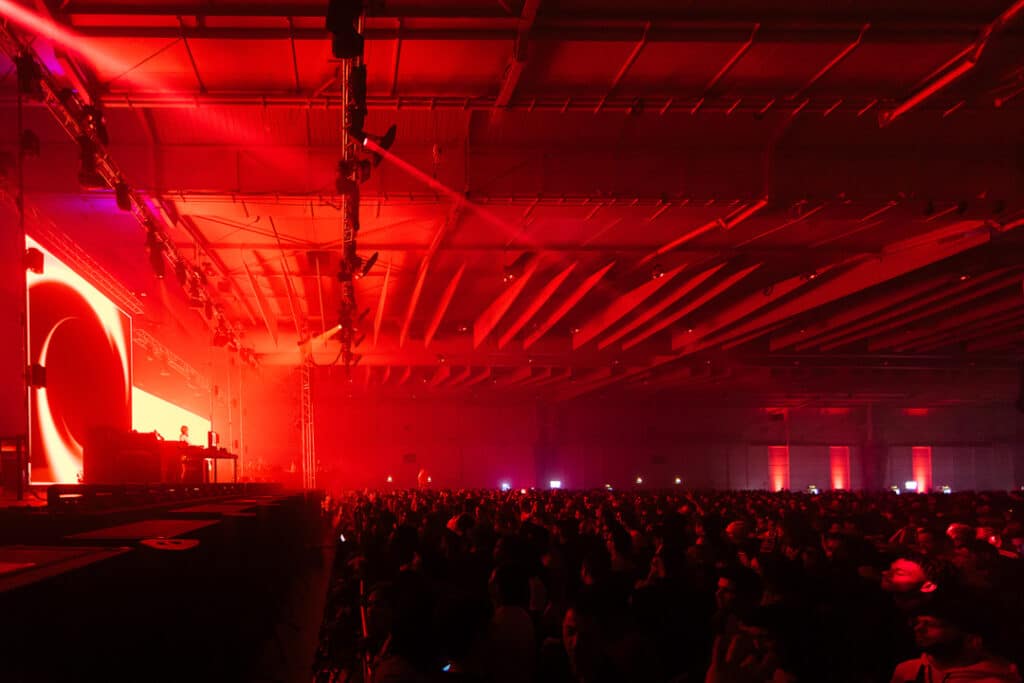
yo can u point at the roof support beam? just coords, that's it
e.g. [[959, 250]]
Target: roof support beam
[[947, 322], [623, 306], [915, 309], [520, 54], [442, 306], [442, 373], [264, 306], [805, 336], [832, 63], [490, 318], [626, 66], [662, 305], [485, 374], [378, 319], [539, 300], [726, 68], [421, 275], [577, 295], [1010, 320], [868, 273], [691, 306]]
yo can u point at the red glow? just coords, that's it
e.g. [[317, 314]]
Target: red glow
[[839, 465], [928, 90], [921, 465], [778, 467], [834, 411], [915, 412]]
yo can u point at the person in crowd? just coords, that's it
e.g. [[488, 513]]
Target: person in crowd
[[674, 586]]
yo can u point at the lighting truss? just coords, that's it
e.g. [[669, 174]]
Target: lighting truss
[[72, 113]]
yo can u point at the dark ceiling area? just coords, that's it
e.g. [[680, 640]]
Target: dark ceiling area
[[784, 199]]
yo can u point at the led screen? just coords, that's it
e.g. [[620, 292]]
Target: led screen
[[153, 414], [83, 341]]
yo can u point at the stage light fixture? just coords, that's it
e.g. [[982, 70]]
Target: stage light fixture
[[346, 42], [385, 142], [505, 486], [678, 481], [123, 196], [94, 117], [910, 485], [657, 272], [555, 484], [156, 254], [639, 481], [515, 270], [221, 337]]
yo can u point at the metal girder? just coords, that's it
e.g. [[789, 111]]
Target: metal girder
[[520, 54], [493, 314], [691, 306], [621, 307], [807, 334], [997, 324], [269, 319], [648, 315], [379, 317], [948, 322], [421, 274], [574, 298], [914, 310], [900, 260], [539, 300], [442, 306]]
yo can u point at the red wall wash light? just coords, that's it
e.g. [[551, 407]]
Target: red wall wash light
[[839, 467], [778, 467], [916, 412], [921, 466]]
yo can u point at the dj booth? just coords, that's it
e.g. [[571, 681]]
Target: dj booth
[[114, 457]]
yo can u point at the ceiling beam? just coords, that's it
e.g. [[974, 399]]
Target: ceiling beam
[[421, 274], [690, 306], [832, 63], [378, 319], [626, 66], [621, 307], [805, 335], [269, 319], [1010, 320], [406, 374], [667, 301], [945, 321], [520, 54], [442, 306], [570, 302], [915, 309], [443, 372], [485, 374], [897, 262], [515, 377], [490, 318], [726, 68], [539, 300]]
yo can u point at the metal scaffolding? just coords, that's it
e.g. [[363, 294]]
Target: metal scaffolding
[[307, 425]]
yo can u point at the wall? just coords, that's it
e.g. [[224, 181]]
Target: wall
[[461, 443], [13, 416], [726, 445]]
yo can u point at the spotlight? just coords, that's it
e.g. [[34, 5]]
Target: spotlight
[[383, 141], [945, 488], [99, 125], [910, 485], [639, 480], [34, 260], [678, 481], [355, 170], [346, 42], [555, 483], [505, 486], [121, 193], [368, 264], [657, 272], [390, 479]]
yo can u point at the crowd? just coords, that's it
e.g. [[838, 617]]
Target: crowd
[[720, 587]]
